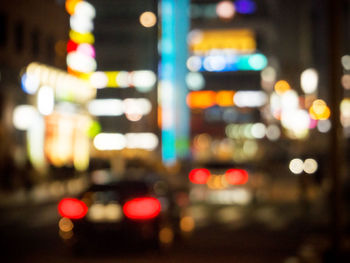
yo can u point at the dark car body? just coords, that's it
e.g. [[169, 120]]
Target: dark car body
[[116, 213]]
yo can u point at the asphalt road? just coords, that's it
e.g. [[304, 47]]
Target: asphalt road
[[30, 234]]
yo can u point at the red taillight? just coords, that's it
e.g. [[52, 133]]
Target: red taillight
[[71, 46], [199, 176], [72, 208], [142, 208], [236, 176]]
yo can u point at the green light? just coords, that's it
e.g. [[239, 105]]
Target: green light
[[257, 61], [94, 129]]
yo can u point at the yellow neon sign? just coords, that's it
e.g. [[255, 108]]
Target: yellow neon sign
[[242, 40]]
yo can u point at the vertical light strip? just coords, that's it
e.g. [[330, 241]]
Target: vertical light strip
[[172, 79], [182, 110]]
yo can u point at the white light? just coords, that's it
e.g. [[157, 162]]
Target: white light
[[96, 212], [195, 37], [145, 105], [296, 166], [289, 101], [122, 79], [81, 24], [109, 141], [46, 100], [345, 60], [195, 81], [24, 116], [214, 63], [273, 132], [106, 107], [225, 9], [275, 103], [146, 141], [258, 130], [137, 106], [86, 49], [268, 74], [30, 83], [296, 120], [65, 85], [194, 63], [85, 9], [80, 62], [310, 166], [113, 212], [35, 143], [250, 98], [324, 126], [99, 80], [309, 80], [143, 80]]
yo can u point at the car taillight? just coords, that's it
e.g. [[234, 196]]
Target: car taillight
[[142, 208], [72, 208], [236, 176], [199, 176]]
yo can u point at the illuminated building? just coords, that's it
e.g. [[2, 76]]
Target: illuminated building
[[26, 35]]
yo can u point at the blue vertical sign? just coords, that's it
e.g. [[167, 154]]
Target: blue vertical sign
[[172, 86]]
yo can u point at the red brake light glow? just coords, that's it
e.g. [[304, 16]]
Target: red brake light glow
[[71, 46], [142, 208], [236, 176], [199, 176], [72, 208]]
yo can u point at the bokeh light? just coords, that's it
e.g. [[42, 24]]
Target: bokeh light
[[187, 224], [225, 9], [148, 19], [310, 166], [257, 61], [70, 6], [30, 83], [245, 6], [45, 100], [281, 87], [273, 132], [319, 110], [309, 80], [166, 235], [24, 116], [296, 166], [224, 98], [194, 63], [65, 224], [345, 81], [199, 176], [345, 60], [201, 99], [195, 81], [324, 126]]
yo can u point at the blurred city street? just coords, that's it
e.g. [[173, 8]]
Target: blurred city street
[[175, 131], [234, 241]]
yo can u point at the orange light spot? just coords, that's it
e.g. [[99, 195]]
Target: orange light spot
[[224, 98], [281, 87], [74, 72], [159, 117], [201, 99], [319, 110], [70, 6]]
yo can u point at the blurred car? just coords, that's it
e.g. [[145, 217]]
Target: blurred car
[[140, 211], [220, 184]]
